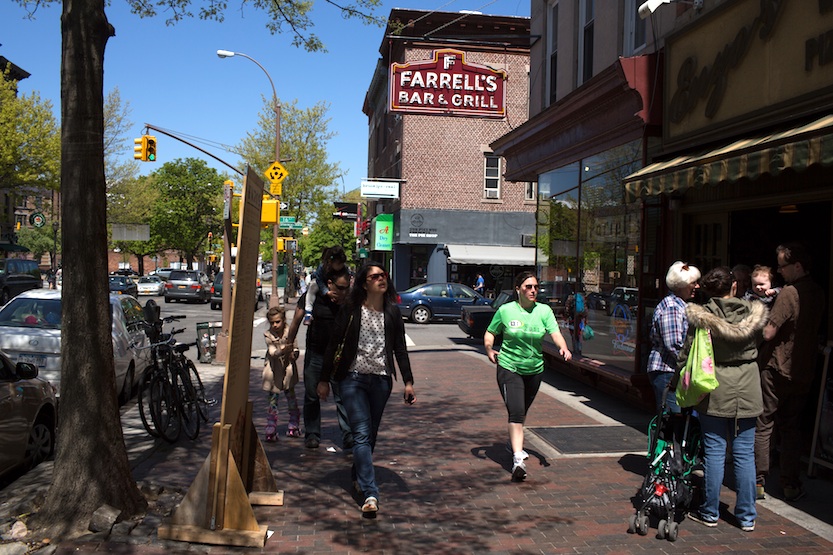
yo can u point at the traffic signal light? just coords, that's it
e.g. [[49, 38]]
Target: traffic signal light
[[151, 148], [140, 150], [279, 244], [145, 148]]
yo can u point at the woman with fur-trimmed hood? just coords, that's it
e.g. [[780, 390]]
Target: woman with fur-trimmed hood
[[729, 413]]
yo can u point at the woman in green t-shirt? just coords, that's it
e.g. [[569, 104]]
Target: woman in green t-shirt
[[520, 361]]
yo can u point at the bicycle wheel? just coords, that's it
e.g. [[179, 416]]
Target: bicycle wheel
[[163, 408], [144, 402], [188, 402], [199, 388]]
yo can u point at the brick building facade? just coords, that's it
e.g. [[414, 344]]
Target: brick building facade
[[455, 215]]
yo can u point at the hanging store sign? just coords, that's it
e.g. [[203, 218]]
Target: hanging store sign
[[448, 85], [383, 236]]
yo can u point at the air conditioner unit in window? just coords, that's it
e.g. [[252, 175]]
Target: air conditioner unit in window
[[492, 193], [527, 240]]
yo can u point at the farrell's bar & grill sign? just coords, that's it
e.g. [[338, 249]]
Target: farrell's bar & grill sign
[[447, 85]]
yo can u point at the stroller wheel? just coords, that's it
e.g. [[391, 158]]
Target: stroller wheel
[[661, 529], [673, 530], [632, 524], [642, 525]]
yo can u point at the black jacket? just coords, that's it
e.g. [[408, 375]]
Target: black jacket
[[394, 344]]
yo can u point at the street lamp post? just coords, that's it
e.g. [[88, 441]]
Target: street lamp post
[[55, 227], [274, 301]]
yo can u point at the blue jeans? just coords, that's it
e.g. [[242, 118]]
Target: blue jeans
[[313, 363], [365, 397], [659, 381], [717, 432]]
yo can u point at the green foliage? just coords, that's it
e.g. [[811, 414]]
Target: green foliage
[[30, 152], [39, 240], [327, 233], [188, 206]]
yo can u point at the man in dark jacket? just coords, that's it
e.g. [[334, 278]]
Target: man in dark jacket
[[318, 334], [788, 363]]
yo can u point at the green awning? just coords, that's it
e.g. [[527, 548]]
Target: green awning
[[11, 247], [797, 148]]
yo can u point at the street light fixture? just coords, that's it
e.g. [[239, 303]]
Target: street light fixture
[[274, 301]]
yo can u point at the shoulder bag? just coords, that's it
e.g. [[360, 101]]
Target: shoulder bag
[[340, 348], [697, 377]]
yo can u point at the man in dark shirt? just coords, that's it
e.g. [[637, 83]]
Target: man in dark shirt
[[324, 312], [788, 364]]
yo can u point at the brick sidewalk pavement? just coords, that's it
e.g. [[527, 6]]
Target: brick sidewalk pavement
[[445, 484]]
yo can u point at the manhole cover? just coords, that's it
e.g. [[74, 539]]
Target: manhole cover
[[573, 440]]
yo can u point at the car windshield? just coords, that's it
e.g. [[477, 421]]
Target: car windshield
[[117, 280], [32, 313], [148, 279], [182, 275]]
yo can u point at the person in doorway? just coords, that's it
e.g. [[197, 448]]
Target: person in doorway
[[520, 361], [369, 335], [576, 314], [788, 362], [727, 415], [479, 284], [325, 309], [280, 373], [668, 330], [762, 289]]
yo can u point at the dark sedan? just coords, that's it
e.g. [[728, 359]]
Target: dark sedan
[[475, 319], [123, 285], [423, 303]]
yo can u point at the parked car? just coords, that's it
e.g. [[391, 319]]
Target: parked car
[[427, 301], [132, 274], [217, 292], [30, 331], [475, 319], [163, 273], [28, 414], [187, 285], [555, 294], [597, 301], [16, 276], [123, 285], [151, 285], [627, 297]]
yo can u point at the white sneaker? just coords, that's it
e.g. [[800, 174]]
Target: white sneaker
[[371, 505], [518, 471], [523, 452]]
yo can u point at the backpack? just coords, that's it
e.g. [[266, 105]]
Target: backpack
[[579, 303]]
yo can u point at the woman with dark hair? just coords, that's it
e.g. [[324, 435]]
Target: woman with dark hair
[[729, 413], [368, 335], [520, 361]]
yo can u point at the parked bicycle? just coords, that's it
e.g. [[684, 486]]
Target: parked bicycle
[[171, 396]]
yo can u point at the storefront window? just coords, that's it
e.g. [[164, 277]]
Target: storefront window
[[591, 238], [419, 265]]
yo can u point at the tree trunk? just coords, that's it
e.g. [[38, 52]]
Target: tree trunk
[[91, 465]]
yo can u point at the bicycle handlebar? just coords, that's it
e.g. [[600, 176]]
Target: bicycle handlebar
[[169, 319]]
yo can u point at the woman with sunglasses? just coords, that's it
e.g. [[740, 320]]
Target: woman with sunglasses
[[520, 361], [368, 335]]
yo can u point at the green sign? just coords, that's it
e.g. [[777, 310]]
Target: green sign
[[37, 219], [383, 238], [289, 225], [287, 220]]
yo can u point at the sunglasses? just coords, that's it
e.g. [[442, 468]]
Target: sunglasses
[[377, 277], [528, 287], [341, 287]]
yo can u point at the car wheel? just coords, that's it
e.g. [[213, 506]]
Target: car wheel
[[421, 315], [167, 299], [41, 443], [215, 306]]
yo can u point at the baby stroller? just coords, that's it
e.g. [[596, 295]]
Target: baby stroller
[[674, 472]]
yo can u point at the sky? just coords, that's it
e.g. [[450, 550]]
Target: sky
[[173, 79]]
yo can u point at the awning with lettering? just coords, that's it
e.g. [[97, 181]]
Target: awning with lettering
[[487, 254], [797, 149]]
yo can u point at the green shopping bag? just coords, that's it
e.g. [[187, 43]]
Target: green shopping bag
[[697, 377]]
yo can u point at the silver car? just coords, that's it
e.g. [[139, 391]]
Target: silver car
[[28, 414], [30, 331], [151, 285]]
